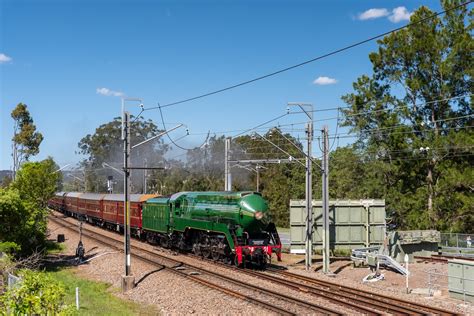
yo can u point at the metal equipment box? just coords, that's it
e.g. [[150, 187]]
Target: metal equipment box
[[352, 224], [461, 279]]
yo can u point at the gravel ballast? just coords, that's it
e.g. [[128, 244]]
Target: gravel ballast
[[165, 291], [172, 294]]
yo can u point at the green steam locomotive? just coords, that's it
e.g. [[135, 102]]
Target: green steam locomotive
[[224, 226], [229, 226]]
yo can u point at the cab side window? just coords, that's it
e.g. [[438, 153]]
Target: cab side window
[[177, 208]]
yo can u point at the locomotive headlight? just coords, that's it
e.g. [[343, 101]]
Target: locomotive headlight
[[258, 215]]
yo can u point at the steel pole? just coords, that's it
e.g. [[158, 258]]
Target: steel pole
[[309, 198], [126, 190], [144, 177], [226, 164], [227, 175], [258, 178], [325, 198]]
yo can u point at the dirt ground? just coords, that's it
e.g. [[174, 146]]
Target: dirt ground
[[165, 293], [423, 276]]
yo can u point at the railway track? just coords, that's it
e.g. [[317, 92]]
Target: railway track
[[359, 300], [442, 258], [362, 301], [381, 302], [205, 277]]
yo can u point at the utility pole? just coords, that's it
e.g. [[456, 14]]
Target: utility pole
[[309, 197], [325, 198], [257, 168], [227, 174], [128, 281], [309, 183], [144, 177]]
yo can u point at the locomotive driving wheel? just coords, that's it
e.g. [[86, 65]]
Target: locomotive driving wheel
[[205, 246], [215, 251], [197, 249], [206, 251]]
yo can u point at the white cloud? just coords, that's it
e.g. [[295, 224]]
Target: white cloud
[[322, 81], [4, 59], [373, 14], [108, 92], [400, 14]]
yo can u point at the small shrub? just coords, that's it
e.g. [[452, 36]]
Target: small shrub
[[36, 294]]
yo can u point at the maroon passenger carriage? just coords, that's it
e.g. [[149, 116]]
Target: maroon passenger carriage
[[101, 209]]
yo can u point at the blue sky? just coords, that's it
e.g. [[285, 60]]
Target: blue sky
[[55, 55]]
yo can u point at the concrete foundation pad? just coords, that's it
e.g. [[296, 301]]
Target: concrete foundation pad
[[128, 283], [426, 292]]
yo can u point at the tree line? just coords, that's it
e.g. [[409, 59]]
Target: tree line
[[411, 121]]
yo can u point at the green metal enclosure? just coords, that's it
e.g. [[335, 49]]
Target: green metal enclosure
[[155, 215], [352, 224], [461, 279]]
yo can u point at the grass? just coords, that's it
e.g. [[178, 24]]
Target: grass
[[96, 298], [283, 229], [54, 247]]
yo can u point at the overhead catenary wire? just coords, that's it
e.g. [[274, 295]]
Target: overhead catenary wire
[[387, 109], [408, 150], [393, 127], [331, 53], [401, 132], [261, 127], [423, 158], [169, 137]]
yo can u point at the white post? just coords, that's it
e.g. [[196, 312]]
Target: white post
[[77, 298], [227, 173], [408, 272]]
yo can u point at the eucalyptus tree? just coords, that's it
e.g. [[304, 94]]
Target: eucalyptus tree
[[413, 116], [105, 145], [26, 140]]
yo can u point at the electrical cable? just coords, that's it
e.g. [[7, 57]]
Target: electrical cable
[[404, 132], [337, 126], [169, 137], [334, 52], [243, 131], [269, 121]]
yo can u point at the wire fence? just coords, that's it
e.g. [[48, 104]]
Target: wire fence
[[439, 281], [457, 240], [12, 280]]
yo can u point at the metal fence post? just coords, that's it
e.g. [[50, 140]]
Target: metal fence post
[[429, 283], [463, 289], [77, 298]]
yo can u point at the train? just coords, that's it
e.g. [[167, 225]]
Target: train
[[233, 227]]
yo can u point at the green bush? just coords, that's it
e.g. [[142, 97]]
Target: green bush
[[23, 223], [36, 294], [9, 247]]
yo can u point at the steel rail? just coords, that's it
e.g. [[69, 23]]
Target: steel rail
[[325, 294], [410, 307], [173, 269], [373, 303], [177, 263]]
